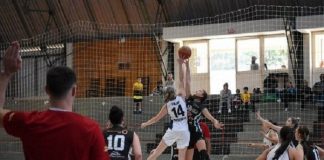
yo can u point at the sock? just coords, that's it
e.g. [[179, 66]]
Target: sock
[[203, 155]]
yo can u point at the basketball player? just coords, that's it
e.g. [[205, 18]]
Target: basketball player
[[195, 110], [306, 148], [56, 133], [178, 129], [119, 140]]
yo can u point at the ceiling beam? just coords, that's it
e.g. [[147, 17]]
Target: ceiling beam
[[92, 17], [144, 12], [22, 18], [127, 17], [164, 10]]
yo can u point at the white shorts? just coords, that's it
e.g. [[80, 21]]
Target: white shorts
[[182, 138]]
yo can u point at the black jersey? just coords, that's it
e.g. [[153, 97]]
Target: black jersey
[[194, 114], [313, 154], [118, 141]]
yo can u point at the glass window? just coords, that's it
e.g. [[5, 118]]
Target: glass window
[[246, 49], [319, 50], [276, 53], [222, 64], [198, 60]]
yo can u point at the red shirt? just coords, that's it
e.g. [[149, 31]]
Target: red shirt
[[56, 135], [205, 130]]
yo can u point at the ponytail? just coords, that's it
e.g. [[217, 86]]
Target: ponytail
[[286, 136]]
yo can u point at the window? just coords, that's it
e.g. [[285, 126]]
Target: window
[[276, 53], [246, 49], [198, 60], [319, 50], [222, 64]]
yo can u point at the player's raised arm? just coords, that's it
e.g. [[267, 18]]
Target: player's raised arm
[[156, 118], [188, 79], [12, 63], [181, 88]]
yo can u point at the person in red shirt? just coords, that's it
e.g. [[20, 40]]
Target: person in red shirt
[[57, 133]]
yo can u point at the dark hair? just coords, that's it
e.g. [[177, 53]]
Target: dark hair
[[322, 77], [202, 99], [245, 88], [116, 115], [286, 136], [59, 80], [307, 145]]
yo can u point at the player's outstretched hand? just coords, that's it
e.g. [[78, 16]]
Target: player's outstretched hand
[[12, 59], [143, 125], [218, 125]]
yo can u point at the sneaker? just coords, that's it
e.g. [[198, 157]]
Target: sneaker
[[279, 100], [286, 109], [139, 112], [219, 112], [229, 110]]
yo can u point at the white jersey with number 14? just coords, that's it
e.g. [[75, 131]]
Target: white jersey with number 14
[[177, 110]]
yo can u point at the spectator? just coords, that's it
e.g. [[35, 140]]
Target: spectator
[[56, 133], [254, 65], [270, 84], [237, 99], [169, 82], [289, 94], [119, 139], [225, 99], [256, 95], [246, 98], [305, 94], [318, 90], [158, 90], [138, 96]]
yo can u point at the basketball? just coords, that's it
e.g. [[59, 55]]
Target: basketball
[[184, 52]]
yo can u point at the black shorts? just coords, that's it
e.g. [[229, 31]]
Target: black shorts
[[138, 100], [195, 136]]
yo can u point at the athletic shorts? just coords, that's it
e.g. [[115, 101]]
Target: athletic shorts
[[195, 136], [138, 100], [180, 137]]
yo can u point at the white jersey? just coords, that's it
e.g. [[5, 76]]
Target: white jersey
[[268, 142], [177, 110], [284, 156]]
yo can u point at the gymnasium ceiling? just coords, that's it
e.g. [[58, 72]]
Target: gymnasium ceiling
[[22, 19]]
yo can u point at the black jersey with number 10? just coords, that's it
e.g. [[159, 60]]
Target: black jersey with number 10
[[118, 141]]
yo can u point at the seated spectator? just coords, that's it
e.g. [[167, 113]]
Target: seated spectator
[[288, 94], [318, 90], [225, 99], [246, 98], [170, 81], [256, 95], [270, 84], [237, 99], [158, 90], [305, 94]]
